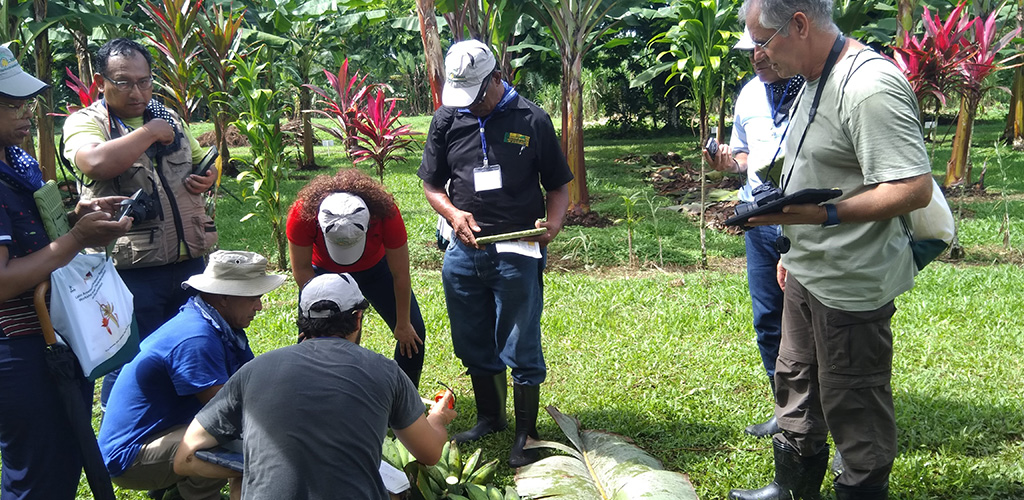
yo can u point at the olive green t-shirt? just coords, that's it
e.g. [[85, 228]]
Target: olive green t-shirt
[[867, 131]]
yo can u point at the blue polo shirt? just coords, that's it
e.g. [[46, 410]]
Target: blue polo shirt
[[156, 390]]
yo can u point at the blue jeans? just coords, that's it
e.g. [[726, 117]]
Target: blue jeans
[[378, 287], [157, 296], [41, 458], [765, 295], [494, 305]]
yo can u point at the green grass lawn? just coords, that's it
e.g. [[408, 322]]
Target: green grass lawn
[[665, 353]]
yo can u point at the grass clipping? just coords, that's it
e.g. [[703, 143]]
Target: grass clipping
[[601, 465]]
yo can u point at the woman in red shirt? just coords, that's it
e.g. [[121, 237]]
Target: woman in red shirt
[[348, 223]]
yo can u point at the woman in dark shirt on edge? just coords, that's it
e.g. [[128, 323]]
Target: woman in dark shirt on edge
[[40, 457]]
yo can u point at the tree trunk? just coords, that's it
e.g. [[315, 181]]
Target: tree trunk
[[904, 19], [572, 127], [1014, 133], [431, 49], [704, 135], [305, 103], [721, 113], [81, 40], [47, 150], [958, 170]]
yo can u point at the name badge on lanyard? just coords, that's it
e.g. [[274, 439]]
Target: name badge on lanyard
[[486, 177]]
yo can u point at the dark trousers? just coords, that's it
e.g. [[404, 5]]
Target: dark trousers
[[157, 296], [833, 375], [378, 287], [40, 455]]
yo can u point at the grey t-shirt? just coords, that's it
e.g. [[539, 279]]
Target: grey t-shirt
[[867, 131], [312, 418]]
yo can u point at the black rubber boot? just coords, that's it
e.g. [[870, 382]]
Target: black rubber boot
[[796, 477], [490, 392], [844, 492], [769, 428], [527, 400]]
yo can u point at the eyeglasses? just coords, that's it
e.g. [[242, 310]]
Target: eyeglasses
[[125, 85], [22, 108], [764, 45]]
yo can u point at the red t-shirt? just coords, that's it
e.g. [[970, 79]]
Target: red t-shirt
[[382, 233]]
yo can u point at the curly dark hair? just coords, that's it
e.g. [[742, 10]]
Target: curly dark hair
[[349, 180]]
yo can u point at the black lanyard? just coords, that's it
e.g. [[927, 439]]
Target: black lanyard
[[830, 62]]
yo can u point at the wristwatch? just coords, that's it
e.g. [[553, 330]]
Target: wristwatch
[[831, 216]]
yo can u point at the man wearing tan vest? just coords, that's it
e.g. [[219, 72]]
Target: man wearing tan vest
[[128, 142]]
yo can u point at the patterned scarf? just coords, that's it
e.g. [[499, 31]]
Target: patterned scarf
[[156, 110], [781, 95], [21, 169], [234, 339]]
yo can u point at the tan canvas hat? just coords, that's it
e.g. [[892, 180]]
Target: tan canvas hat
[[243, 274]]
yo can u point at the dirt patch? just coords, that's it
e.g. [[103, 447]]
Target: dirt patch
[[234, 137], [680, 181], [589, 219]]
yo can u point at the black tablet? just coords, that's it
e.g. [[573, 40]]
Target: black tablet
[[801, 197], [228, 455]]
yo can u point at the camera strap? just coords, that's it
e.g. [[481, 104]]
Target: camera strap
[[830, 62]]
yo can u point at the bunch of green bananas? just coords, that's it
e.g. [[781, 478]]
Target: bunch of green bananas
[[451, 478]]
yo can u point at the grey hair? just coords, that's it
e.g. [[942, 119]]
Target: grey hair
[[775, 13]]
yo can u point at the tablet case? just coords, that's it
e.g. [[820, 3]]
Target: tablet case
[[227, 455], [800, 197]]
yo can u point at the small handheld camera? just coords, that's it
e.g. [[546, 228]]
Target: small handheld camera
[[711, 147], [204, 165], [139, 206], [763, 194]]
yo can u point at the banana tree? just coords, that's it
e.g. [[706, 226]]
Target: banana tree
[[975, 69], [698, 45], [575, 26], [431, 37], [1014, 133]]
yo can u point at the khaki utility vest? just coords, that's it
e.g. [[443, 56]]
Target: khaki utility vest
[[181, 216]]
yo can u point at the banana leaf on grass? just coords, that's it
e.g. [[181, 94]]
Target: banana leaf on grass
[[600, 465]]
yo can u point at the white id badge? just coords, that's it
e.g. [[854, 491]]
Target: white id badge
[[486, 178], [527, 248]]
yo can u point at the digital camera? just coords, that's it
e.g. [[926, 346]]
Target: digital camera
[[140, 206], [763, 195]]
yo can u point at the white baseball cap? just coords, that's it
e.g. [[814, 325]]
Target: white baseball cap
[[746, 42], [340, 289], [344, 220], [15, 83], [467, 67]]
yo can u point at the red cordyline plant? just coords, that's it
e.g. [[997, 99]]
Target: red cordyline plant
[[932, 62], [380, 137], [975, 69], [87, 94], [346, 107]]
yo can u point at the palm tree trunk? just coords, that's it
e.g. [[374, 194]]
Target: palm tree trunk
[[431, 49], [904, 19], [958, 170], [1014, 133], [704, 135], [305, 102], [44, 123], [81, 40], [572, 126]]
